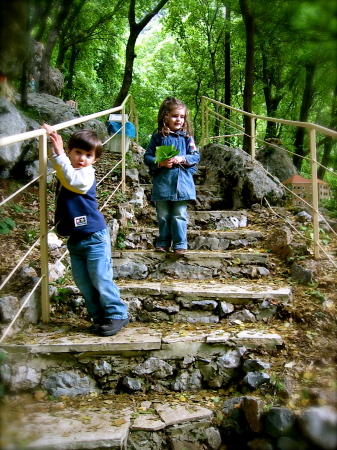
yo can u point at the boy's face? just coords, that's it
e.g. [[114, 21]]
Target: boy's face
[[81, 158]]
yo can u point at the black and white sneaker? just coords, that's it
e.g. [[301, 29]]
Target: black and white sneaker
[[112, 326]]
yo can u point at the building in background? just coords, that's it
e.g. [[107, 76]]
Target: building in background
[[303, 189]]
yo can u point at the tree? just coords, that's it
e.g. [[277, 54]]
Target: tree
[[249, 70], [130, 55]]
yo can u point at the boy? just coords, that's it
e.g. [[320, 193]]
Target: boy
[[78, 217]]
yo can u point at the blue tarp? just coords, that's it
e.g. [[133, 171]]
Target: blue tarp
[[116, 127]]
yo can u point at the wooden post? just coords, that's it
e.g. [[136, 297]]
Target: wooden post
[[313, 158], [43, 227]]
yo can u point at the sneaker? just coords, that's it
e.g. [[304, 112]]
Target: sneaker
[[112, 326], [96, 325], [161, 249]]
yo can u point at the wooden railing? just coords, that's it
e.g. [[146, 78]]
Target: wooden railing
[[210, 117], [127, 107]]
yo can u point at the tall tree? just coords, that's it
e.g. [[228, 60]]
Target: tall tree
[[249, 70], [130, 55]]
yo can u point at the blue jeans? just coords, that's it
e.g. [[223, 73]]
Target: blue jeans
[[172, 222], [92, 272]]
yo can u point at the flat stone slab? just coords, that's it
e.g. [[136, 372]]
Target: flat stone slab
[[251, 338], [128, 339], [147, 422], [201, 290], [247, 338], [70, 429], [173, 415]]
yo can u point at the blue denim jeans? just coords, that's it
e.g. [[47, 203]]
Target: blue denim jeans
[[92, 272], [172, 222]]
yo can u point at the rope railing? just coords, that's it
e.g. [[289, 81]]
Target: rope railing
[[42, 179], [208, 112]]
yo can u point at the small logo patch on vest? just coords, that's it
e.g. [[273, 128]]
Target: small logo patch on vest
[[80, 221]]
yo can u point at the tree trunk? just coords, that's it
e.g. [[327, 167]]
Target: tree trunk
[[130, 55], [304, 114], [49, 47], [249, 71], [227, 64], [329, 140], [272, 102], [227, 93]]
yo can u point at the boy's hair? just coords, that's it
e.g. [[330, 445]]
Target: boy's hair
[[86, 140], [168, 104]]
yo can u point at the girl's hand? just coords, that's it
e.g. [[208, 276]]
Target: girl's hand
[[166, 163], [178, 159], [55, 138]]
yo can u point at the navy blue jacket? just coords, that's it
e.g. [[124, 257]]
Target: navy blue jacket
[[76, 212]]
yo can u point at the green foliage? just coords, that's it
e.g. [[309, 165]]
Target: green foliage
[[6, 225], [120, 242], [30, 235], [165, 152]]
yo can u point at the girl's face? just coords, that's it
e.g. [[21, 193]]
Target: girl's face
[[176, 119]]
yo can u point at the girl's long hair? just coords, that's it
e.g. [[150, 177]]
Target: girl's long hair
[[168, 104]]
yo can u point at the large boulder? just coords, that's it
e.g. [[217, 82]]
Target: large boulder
[[276, 160], [241, 183], [21, 159]]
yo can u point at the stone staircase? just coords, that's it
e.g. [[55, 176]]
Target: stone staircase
[[195, 318]]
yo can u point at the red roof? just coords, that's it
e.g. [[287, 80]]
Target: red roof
[[298, 179]]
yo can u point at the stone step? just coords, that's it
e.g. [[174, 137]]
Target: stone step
[[67, 361], [197, 265], [145, 238], [111, 423], [202, 302]]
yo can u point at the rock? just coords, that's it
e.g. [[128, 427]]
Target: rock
[[27, 272], [319, 425], [9, 306], [303, 217], [32, 310], [240, 183], [287, 443], [102, 368], [255, 379], [234, 419], [231, 359], [56, 271], [253, 409], [226, 308], [301, 275], [69, 384], [266, 310], [155, 366], [276, 160], [279, 421], [252, 365], [13, 122], [138, 197], [188, 381], [243, 316], [54, 241], [132, 175], [130, 269], [213, 438], [132, 384], [260, 444], [280, 243], [24, 379], [21, 159]]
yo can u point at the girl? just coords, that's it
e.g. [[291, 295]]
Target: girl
[[173, 183]]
